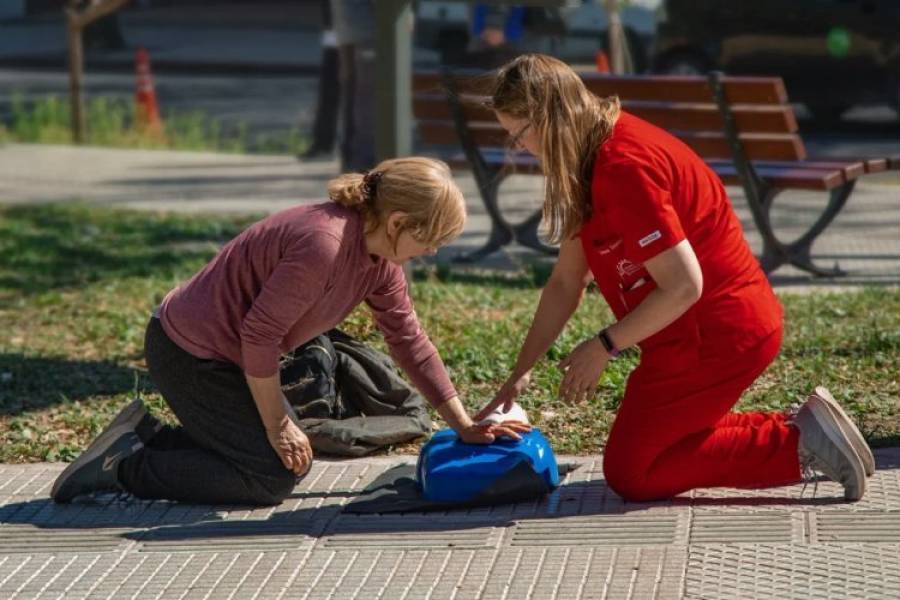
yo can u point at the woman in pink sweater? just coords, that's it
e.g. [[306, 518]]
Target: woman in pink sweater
[[213, 345]]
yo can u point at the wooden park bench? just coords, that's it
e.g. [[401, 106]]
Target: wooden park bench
[[742, 126]]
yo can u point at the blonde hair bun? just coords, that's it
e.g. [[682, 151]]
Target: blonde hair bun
[[422, 188], [347, 190]]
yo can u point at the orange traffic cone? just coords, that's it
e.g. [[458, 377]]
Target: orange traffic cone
[[602, 62], [146, 111]]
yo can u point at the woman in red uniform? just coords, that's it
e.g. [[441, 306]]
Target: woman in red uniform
[[636, 210]]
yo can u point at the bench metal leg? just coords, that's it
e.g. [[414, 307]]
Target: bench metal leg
[[501, 232], [773, 251], [801, 259], [499, 237], [527, 234], [760, 195], [798, 253]]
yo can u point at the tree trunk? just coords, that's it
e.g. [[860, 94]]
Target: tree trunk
[[76, 76], [79, 15]]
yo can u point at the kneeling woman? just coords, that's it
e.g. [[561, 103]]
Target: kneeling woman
[[637, 211], [213, 346]]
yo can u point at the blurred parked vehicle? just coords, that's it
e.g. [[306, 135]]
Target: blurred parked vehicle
[[573, 32], [832, 54]]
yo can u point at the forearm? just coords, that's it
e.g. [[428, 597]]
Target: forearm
[[658, 310], [555, 307], [455, 415], [269, 399]]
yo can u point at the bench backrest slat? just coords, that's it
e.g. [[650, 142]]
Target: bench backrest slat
[[707, 144], [687, 88], [683, 105], [668, 88], [697, 117]]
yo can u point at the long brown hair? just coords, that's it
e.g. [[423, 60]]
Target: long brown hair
[[423, 188], [570, 123]]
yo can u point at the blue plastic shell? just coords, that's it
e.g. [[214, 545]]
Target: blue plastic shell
[[450, 470]]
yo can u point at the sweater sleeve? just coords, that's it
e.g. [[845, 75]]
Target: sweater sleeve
[[294, 286], [409, 345]]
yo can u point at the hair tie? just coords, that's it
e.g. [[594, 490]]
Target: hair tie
[[370, 185]]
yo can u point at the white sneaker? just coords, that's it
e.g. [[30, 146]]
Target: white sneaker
[[824, 447], [848, 427]]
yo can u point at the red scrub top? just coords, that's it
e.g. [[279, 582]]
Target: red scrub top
[[649, 192]]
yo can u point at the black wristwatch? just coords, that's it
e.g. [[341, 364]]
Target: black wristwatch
[[608, 344]]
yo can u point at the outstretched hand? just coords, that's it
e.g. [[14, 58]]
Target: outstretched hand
[[582, 369], [506, 396], [489, 432]]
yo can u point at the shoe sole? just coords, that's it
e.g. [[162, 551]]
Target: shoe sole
[[131, 415], [847, 426], [831, 428], [96, 449]]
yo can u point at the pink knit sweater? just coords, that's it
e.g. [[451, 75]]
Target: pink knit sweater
[[288, 278]]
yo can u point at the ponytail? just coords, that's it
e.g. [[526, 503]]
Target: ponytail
[[348, 190], [422, 188]]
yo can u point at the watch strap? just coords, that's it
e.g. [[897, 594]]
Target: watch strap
[[608, 344]]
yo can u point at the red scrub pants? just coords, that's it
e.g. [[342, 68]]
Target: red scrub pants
[[674, 431]]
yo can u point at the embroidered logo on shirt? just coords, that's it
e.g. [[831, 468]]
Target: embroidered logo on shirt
[[646, 241], [625, 267], [607, 248]]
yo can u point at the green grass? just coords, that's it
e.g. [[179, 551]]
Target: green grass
[[111, 122], [77, 284]]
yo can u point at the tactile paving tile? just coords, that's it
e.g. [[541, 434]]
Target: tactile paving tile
[[28, 480], [635, 573], [572, 545], [882, 494], [883, 488], [779, 499], [746, 528], [788, 572], [599, 530], [411, 531], [624, 573], [27, 539], [231, 536], [869, 527]]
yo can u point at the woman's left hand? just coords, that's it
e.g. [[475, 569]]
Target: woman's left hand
[[582, 370]]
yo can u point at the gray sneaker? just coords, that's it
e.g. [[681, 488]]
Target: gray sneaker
[[96, 469], [131, 416], [848, 427], [824, 447]]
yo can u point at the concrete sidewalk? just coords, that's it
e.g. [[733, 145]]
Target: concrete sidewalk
[[582, 541], [863, 239]]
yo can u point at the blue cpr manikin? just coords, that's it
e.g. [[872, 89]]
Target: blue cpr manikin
[[452, 471]]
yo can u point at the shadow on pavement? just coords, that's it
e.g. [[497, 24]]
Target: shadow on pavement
[[165, 522]]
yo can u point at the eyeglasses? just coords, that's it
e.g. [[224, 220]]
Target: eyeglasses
[[516, 140]]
